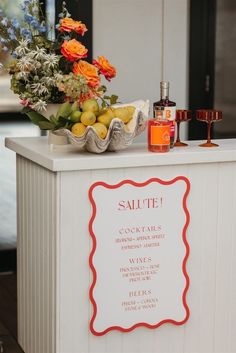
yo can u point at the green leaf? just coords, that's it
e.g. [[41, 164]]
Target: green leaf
[[35, 117], [46, 125], [113, 99], [64, 110], [102, 88], [63, 123], [53, 119], [25, 110], [63, 120]]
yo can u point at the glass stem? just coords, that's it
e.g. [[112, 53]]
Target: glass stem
[[209, 132], [178, 139]]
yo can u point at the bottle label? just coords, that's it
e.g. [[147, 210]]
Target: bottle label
[[160, 135], [159, 114], [169, 114]]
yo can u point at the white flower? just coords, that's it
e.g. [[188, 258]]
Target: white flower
[[43, 90], [25, 64], [22, 75], [39, 106], [38, 54], [49, 81], [1, 66], [39, 88], [22, 49], [51, 60], [38, 65], [58, 77]]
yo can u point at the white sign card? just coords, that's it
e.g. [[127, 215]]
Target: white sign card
[[139, 254]]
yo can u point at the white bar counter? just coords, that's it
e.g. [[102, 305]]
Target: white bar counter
[[66, 158], [54, 245]]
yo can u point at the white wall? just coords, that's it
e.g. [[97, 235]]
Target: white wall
[[147, 41]]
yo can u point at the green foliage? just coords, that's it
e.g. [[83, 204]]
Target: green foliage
[[109, 100], [65, 110], [60, 120], [34, 116], [41, 71], [38, 119], [113, 99], [46, 125]]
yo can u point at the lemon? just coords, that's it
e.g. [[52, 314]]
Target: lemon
[[75, 116], [101, 111], [105, 119], [75, 106], [123, 114], [90, 105], [88, 118], [100, 129], [78, 129], [110, 111], [131, 110]]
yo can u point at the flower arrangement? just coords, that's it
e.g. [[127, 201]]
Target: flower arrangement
[[45, 70], [53, 68]]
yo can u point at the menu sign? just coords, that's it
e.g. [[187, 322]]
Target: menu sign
[[139, 254]]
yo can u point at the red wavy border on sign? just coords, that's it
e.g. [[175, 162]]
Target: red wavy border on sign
[[115, 186]]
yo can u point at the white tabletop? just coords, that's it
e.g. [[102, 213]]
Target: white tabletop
[[65, 158]]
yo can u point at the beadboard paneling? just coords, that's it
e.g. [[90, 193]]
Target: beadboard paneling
[[54, 275], [36, 218], [210, 295]]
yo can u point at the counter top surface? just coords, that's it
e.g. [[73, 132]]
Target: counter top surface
[[66, 158]]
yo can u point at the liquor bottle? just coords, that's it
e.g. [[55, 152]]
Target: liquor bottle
[[169, 109], [159, 132]]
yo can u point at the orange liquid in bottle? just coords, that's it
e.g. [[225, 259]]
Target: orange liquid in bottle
[[159, 135]]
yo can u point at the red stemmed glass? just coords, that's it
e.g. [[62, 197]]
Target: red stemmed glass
[[181, 115], [209, 116]]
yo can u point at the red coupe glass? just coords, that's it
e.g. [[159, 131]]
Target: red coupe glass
[[181, 115], [209, 116]]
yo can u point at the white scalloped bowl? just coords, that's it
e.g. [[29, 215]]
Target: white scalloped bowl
[[119, 135]]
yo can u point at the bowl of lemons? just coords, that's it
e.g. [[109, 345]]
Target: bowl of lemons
[[96, 129]]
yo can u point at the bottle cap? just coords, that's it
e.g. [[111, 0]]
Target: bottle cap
[[165, 84]]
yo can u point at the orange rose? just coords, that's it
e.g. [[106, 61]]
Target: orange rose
[[69, 25], [73, 50], [105, 67], [87, 70]]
